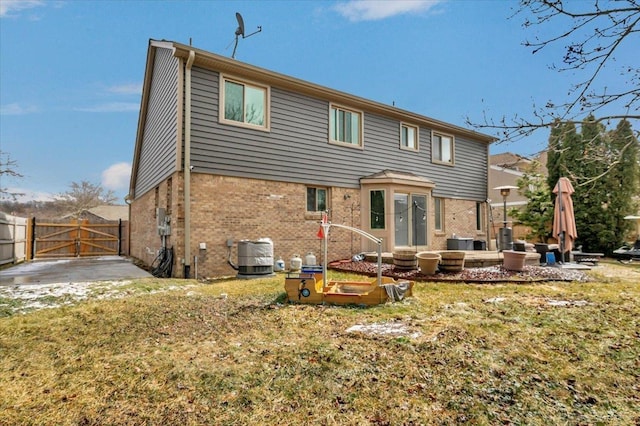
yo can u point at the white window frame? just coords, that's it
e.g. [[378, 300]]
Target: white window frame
[[246, 83], [436, 138], [360, 114], [416, 133], [326, 201]]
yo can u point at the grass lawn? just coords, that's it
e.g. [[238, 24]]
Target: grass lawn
[[232, 353]]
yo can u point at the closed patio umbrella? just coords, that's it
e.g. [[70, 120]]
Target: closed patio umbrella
[[564, 221]]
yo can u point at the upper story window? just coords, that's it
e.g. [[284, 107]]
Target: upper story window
[[316, 199], [408, 137], [442, 148], [244, 104], [345, 126]]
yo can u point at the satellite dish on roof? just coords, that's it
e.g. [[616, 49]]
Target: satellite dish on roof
[[240, 29], [240, 32]]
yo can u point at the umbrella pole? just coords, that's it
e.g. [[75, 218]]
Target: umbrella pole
[[561, 234]]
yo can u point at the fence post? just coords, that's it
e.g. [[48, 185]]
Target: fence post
[[119, 237], [33, 238], [14, 251]]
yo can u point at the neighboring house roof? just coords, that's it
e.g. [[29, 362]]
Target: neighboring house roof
[[509, 160], [505, 169], [541, 158], [111, 212]]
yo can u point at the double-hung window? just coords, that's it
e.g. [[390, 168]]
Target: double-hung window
[[408, 137], [244, 104], [442, 148], [345, 126], [316, 199]]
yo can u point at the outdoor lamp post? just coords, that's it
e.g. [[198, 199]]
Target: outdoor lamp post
[[506, 235]]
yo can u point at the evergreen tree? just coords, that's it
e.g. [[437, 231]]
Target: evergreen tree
[[538, 213], [573, 157], [604, 168], [593, 222], [623, 180], [564, 154]]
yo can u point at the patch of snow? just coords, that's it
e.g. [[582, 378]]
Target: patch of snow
[[567, 303], [43, 296], [384, 329], [78, 290], [495, 300], [461, 308]]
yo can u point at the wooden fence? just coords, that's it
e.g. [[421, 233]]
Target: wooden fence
[[13, 239], [77, 238]]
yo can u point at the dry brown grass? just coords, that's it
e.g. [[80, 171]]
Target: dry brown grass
[[477, 354]]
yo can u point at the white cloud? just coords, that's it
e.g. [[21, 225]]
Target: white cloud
[[10, 8], [112, 107], [117, 176], [373, 10], [17, 109], [127, 89]]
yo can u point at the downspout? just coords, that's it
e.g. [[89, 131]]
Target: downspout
[[187, 165]]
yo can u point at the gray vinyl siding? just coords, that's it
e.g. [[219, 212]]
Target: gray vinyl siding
[[297, 150], [158, 152]]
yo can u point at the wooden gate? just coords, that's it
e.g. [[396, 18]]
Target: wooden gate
[[74, 239]]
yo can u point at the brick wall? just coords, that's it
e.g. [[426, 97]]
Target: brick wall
[[145, 241], [459, 219], [227, 208]]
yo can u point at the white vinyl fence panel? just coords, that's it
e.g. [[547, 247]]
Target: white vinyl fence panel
[[13, 239]]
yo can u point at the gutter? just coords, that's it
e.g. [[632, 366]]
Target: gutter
[[187, 165]]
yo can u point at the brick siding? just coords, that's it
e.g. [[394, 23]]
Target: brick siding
[[228, 208], [459, 219]]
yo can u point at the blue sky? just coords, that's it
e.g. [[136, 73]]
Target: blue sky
[[71, 71]]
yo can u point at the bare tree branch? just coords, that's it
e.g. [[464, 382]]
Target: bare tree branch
[[84, 196], [8, 168], [593, 35]]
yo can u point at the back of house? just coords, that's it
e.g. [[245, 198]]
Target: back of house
[[226, 152]]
